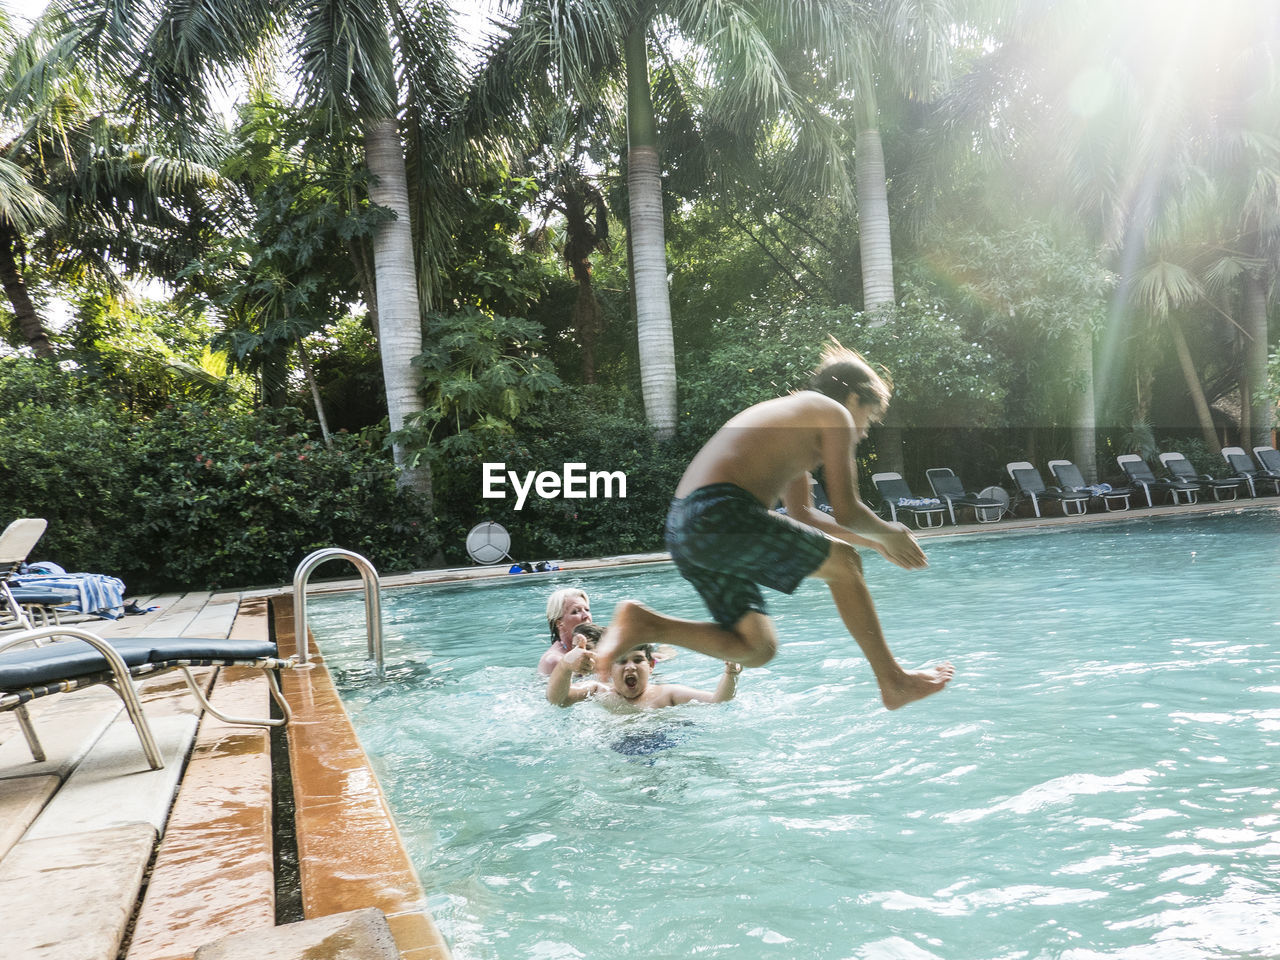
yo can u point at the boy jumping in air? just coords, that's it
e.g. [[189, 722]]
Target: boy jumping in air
[[726, 541]]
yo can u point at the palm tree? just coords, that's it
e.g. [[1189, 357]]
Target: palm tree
[[1194, 198], [23, 210], [741, 50], [898, 52], [902, 50], [82, 193], [1141, 120], [381, 67]]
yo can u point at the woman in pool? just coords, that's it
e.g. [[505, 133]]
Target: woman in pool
[[566, 608], [629, 688]]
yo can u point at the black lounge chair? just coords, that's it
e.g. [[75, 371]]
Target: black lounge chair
[[947, 487], [897, 496], [1245, 469], [31, 668], [1269, 458], [1140, 475], [1180, 468], [1070, 478], [1031, 487]]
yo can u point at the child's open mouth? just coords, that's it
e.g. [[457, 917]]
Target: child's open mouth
[[631, 680]]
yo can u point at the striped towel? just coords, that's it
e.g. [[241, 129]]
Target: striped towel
[[91, 593]]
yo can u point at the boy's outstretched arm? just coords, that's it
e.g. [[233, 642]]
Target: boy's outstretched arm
[[863, 527], [725, 690], [560, 688]]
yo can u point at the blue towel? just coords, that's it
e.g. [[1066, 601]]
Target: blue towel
[[919, 502], [91, 593]]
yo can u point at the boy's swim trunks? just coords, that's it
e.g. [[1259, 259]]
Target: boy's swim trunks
[[725, 542]]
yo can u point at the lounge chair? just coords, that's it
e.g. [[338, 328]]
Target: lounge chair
[[1140, 475], [32, 668], [897, 496], [16, 543], [1070, 478], [1269, 458], [1180, 468], [1245, 469], [947, 487], [1031, 487]]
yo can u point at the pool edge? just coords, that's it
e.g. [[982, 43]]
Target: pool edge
[[350, 851]]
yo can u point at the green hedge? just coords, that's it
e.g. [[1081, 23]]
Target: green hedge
[[193, 497]]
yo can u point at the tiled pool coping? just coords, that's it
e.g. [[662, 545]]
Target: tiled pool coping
[[349, 851]]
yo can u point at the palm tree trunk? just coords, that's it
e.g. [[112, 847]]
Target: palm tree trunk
[[396, 283], [875, 245], [1084, 416], [876, 250], [586, 320], [1254, 396], [307, 372], [1194, 388], [648, 245], [15, 289]]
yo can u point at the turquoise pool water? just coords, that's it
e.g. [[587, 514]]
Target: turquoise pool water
[[1098, 782]]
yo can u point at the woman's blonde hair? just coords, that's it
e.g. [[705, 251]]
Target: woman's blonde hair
[[556, 604]]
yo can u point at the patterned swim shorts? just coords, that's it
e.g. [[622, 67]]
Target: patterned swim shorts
[[724, 541]]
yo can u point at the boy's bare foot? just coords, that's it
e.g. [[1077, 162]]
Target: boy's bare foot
[[915, 686], [617, 638]]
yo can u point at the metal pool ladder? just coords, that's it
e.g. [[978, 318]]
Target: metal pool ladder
[[372, 601]]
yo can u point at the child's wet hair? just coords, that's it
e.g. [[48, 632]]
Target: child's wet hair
[[592, 631]]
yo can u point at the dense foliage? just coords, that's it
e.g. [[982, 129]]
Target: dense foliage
[[193, 496]]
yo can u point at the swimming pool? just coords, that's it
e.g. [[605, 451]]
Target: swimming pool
[[1098, 781]]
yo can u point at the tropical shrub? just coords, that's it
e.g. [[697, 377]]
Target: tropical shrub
[[194, 496], [243, 500]]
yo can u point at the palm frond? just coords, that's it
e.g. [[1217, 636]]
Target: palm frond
[[173, 175], [21, 205], [1162, 286], [344, 58], [738, 54], [1224, 271]]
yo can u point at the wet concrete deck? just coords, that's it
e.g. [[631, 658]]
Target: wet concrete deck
[[98, 853]]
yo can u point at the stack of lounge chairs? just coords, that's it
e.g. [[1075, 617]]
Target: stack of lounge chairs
[[1180, 468], [1180, 482], [1032, 489], [1262, 476]]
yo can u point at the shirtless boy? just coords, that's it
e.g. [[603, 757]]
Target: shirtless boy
[[629, 688], [725, 541]]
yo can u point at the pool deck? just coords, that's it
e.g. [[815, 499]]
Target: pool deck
[[104, 859]]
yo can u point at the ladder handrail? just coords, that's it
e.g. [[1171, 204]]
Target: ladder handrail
[[372, 600]]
